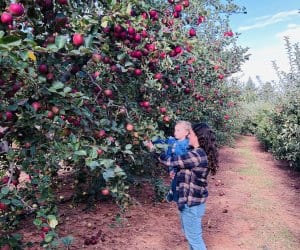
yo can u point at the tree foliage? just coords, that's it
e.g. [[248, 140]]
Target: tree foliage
[[85, 83]]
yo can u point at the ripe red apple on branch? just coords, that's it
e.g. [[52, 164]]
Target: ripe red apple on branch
[[3, 206], [16, 9], [129, 127], [105, 191], [6, 18], [163, 110], [36, 106], [77, 39]]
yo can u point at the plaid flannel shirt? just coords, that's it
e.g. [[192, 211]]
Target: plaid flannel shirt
[[191, 178]]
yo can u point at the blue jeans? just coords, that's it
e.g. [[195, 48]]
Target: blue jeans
[[173, 188], [191, 225]]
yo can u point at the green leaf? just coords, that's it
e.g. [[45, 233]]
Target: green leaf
[[128, 64], [60, 41], [108, 174], [93, 153], [37, 222], [48, 238], [80, 152], [129, 9], [119, 171], [67, 90], [128, 146], [104, 21], [17, 203], [107, 162], [5, 190], [92, 164], [67, 240], [11, 40], [52, 47], [121, 56], [52, 221], [55, 86], [12, 107], [1, 34], [88, 41]]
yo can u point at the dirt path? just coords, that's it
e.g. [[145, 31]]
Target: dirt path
[[253, 204]]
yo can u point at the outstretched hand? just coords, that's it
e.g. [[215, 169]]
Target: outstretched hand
[[149, 145], [172, 174]]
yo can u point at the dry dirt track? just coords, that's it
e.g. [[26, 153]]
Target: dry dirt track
[[254, 203]]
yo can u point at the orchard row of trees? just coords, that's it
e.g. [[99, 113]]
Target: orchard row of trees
[[272, 110], [84, 83]]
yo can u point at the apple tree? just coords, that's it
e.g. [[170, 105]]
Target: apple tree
[[84, 83]]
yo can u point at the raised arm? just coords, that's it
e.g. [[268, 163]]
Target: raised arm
[[194, 158]]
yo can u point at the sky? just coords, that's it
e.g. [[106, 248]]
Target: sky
[[263, 29]]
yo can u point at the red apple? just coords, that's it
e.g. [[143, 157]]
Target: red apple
[[216, 67], [163, 110], [55, 110], [45, 229], [137, 72], [105, 191], [129, 127], [145, 104], [137, 38], [50, 114], [9, 115], [226, 117], [96, 57], [15, 182], [108, 92], [5, 180], [186, 3], [16, 9], [166, 119], [43, 69], [100, 151], [158, 76], [50, 77], [131, 30], [62, 2], [192, 32], [77, 39], [36, 106], [153, 13], [178, 50], [201, 19], [221, 76], [3, 206], [100, 134], [178, 8], [144, 33], [6, 247], [187, 90], [6, 18]]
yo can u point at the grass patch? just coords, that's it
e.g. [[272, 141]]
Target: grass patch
[[277, 235]]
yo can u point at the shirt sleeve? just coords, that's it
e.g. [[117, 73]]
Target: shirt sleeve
[[195, 158]]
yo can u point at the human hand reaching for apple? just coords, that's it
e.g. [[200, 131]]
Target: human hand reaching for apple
[[149, 145]]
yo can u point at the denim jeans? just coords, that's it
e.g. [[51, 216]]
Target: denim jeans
[[191, 218], [173, 188]]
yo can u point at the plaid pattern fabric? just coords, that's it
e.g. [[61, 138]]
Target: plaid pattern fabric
[[191, 177]]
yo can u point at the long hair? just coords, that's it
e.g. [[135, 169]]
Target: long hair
[[207, 141]]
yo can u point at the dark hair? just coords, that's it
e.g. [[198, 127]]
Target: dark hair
[[207, 141]]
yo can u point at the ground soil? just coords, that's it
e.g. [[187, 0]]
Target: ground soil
[[254, 203]]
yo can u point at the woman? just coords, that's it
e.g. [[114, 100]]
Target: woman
[[194, 168]]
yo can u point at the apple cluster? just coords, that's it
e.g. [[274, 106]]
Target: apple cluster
[[14, 10]]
